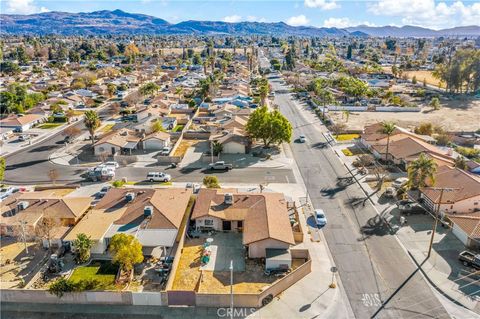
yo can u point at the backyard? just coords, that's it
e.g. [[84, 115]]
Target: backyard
[[49, 126], [184, 145], [102, 272]]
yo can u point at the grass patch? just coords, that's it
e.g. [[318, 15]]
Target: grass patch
[[102, 272], [49, 126], [351, 151], [178, 128], [347, 137], [107, 128], [347, 152]]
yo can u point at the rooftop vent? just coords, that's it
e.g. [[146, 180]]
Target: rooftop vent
[[148, 211], [129, 197], [228, 198]]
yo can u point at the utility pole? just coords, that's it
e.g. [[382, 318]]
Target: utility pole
[[437, 212], [231, 288], [211, 152]]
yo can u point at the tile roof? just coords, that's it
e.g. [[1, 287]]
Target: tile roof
[[470, 223], [15, 120], [265, 215], [120, 138]]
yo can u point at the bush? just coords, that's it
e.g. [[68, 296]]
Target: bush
[[60, 286], [211, 182], [118, 183], [468, 152], [347, 152]]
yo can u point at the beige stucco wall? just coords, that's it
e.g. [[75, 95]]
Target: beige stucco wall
[[257, 249], [233, 148]]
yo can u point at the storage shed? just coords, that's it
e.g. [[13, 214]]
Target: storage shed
[[278, 259]]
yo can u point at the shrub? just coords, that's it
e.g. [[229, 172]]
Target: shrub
[[347, 152], [211, 182], [118, 183], [468, 152], [60, 286]]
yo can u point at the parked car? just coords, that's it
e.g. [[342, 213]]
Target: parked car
[[220, 166], [5, 192], [158, 177], [410, 207], [23, 138], [400, 182], [469, 259], [302, 139], [111, 164], [165, 151], [390, 192], [320, 217], [103, 191]]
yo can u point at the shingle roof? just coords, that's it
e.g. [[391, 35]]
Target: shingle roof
[[15, 120], [120, 138], [265, 215]]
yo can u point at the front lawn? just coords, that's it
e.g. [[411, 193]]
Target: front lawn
[[48, 126], [347, 137], [102, 272], [178, 128]]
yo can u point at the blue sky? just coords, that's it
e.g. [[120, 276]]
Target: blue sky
[[428, 13]]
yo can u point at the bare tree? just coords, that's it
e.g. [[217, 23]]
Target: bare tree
[[45, 229], [337, 128], [71, 132], [103, 157], [53, 175]]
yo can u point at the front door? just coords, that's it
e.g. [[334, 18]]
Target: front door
[[227, 225]]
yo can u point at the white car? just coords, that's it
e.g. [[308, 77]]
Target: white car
[[320, 218], [5, 192], [302, 139], [111, 164], [165, 151], [158, 177], [400, 182]]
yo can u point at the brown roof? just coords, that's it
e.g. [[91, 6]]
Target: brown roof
[[371, 134], [235, 135], [56, 207], [265, 215], [169, 205], [163, 136], [15, 120], [470, 223], [466, 185], [120, 137]]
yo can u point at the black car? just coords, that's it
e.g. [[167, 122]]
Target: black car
[[410, 207]]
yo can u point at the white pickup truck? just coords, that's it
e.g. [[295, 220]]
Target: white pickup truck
[[220, 166]]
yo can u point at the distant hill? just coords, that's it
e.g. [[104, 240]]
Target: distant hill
[[412, 31], [120, 22]]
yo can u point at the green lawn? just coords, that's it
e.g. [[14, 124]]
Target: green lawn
[[178, 128], [102, 271], [48, 126], [347, 137]]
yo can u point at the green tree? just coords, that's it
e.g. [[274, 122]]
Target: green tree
[[10, 68], [414, 79], [460, 163], [263, 91], [387, 128], [435, 103], [82, 245], [420, 170], [157, 126], [126, 250], [211, 181], [217, 148], [149, 89], [349, 52], [270, 127], [92, 122], [111, 89]]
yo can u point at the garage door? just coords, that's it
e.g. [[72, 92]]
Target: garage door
[[153, 144], [460, 234], [233, 148]]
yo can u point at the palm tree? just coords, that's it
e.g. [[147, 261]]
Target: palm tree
[[179, 91], [217, 148], [387, 128], [460, 163], [346, 114], [82, 245], [263, 90], [92, 122], [420, 170]]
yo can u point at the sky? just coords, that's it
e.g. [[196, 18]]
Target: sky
[[433, 14]]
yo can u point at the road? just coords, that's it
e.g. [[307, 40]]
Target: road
[[372, 267]]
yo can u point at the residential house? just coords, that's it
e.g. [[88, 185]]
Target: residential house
[[122, 141], [156, 141], [262, 218], [467, 229], [235, 141], [21, 122], [153, 216]]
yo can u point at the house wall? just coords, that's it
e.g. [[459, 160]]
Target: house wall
[[106, 148], [468, 205], [217, 223], [460, 234], [233, 148], [154, 144], [257, 249]]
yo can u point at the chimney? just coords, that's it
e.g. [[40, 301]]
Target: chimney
[[228, 199], [129, 197], [148, 211]]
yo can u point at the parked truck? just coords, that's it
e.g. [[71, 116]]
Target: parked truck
[[470, 259], [220, 166]]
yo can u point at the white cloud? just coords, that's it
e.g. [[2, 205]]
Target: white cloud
[[255, 19], [344, 23], [427, 13], [232, 18], [322, 4], [298, 20], [23, 7]]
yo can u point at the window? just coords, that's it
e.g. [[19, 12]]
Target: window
[[240, 223], [208, 222]]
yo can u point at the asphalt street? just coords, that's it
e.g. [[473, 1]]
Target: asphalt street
[[373, 266]]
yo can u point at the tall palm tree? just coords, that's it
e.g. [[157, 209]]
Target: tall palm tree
[[82, 245], [421, 170], [92, 122], [263, 90], [387, 128]]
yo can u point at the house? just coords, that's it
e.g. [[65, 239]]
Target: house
[[122, 141], [156, 141], [463, 196], [21, 122], [234, 141], [467, 229], [262, 218], [153, 216]]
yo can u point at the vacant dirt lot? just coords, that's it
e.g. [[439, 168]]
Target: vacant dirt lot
[[458, 115], [423, 74]]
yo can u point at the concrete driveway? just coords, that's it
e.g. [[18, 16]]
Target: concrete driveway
[[226, 247]]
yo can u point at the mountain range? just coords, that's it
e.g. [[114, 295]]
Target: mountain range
[[120, 22]]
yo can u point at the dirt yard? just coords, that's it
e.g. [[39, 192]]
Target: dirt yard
[[423, 74], [457, 115], [184, 145], [188, 274]]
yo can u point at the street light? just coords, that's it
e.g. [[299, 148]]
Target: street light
[[231, 288], [441, 189]]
